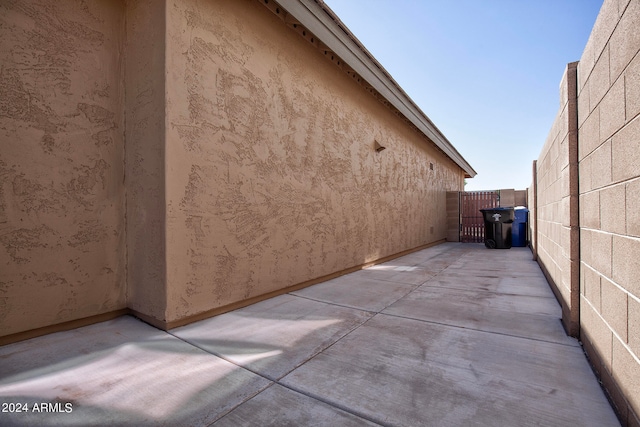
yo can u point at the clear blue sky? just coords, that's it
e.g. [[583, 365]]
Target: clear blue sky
[[486, 72]]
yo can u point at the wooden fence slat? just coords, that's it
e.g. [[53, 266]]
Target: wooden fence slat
[[472, 225]]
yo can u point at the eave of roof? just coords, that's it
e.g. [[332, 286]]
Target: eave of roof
[[319, 19]]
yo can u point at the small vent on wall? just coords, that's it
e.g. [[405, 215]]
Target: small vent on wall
[[430, 166]]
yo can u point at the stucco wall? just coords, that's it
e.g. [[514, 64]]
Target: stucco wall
[[61, 162], [272, 175], [249, 167], [609, 136], [608, 182], [145, 158]]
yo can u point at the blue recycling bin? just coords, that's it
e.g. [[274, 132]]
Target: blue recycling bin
[[519, 227]]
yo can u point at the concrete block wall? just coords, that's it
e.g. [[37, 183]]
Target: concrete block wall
[[521, 198], [512, 198], [507, 197], [609, 155], [557, 223], [532, 202], [607, 205]]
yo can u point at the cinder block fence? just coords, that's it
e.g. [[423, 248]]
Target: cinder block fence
[[585, 203]]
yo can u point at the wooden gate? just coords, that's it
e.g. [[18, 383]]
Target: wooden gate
[[471, 220]]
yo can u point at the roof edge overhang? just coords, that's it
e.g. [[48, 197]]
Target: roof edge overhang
[[318, 18]]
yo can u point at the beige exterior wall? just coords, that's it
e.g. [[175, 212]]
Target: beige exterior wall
[[272, 175], [608, 119], [453, 216], [145, 158], [62, 237], [249, 167]]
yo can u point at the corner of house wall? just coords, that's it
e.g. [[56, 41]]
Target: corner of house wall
[[145, 56]]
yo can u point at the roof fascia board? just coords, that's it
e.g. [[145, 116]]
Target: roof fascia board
[[311, 15]]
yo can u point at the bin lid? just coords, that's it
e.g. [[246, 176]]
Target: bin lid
[[504, 215], [521, 215], [496, 209]]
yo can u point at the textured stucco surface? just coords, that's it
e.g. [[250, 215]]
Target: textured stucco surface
[[145, 157], [272, 176], [61, 162], [177, 157]]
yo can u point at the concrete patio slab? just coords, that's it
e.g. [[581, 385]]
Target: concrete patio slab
[[278, 406], [515, 262], [504, 285], [415, 268], [398, 273], [478, 342], [399, 371], [354, 290], [120, 372], [432, 255], [519, 315], [274, 336], [501, 301]]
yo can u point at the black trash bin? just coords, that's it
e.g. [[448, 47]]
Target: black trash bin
[[497, 227], [519, 227]]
